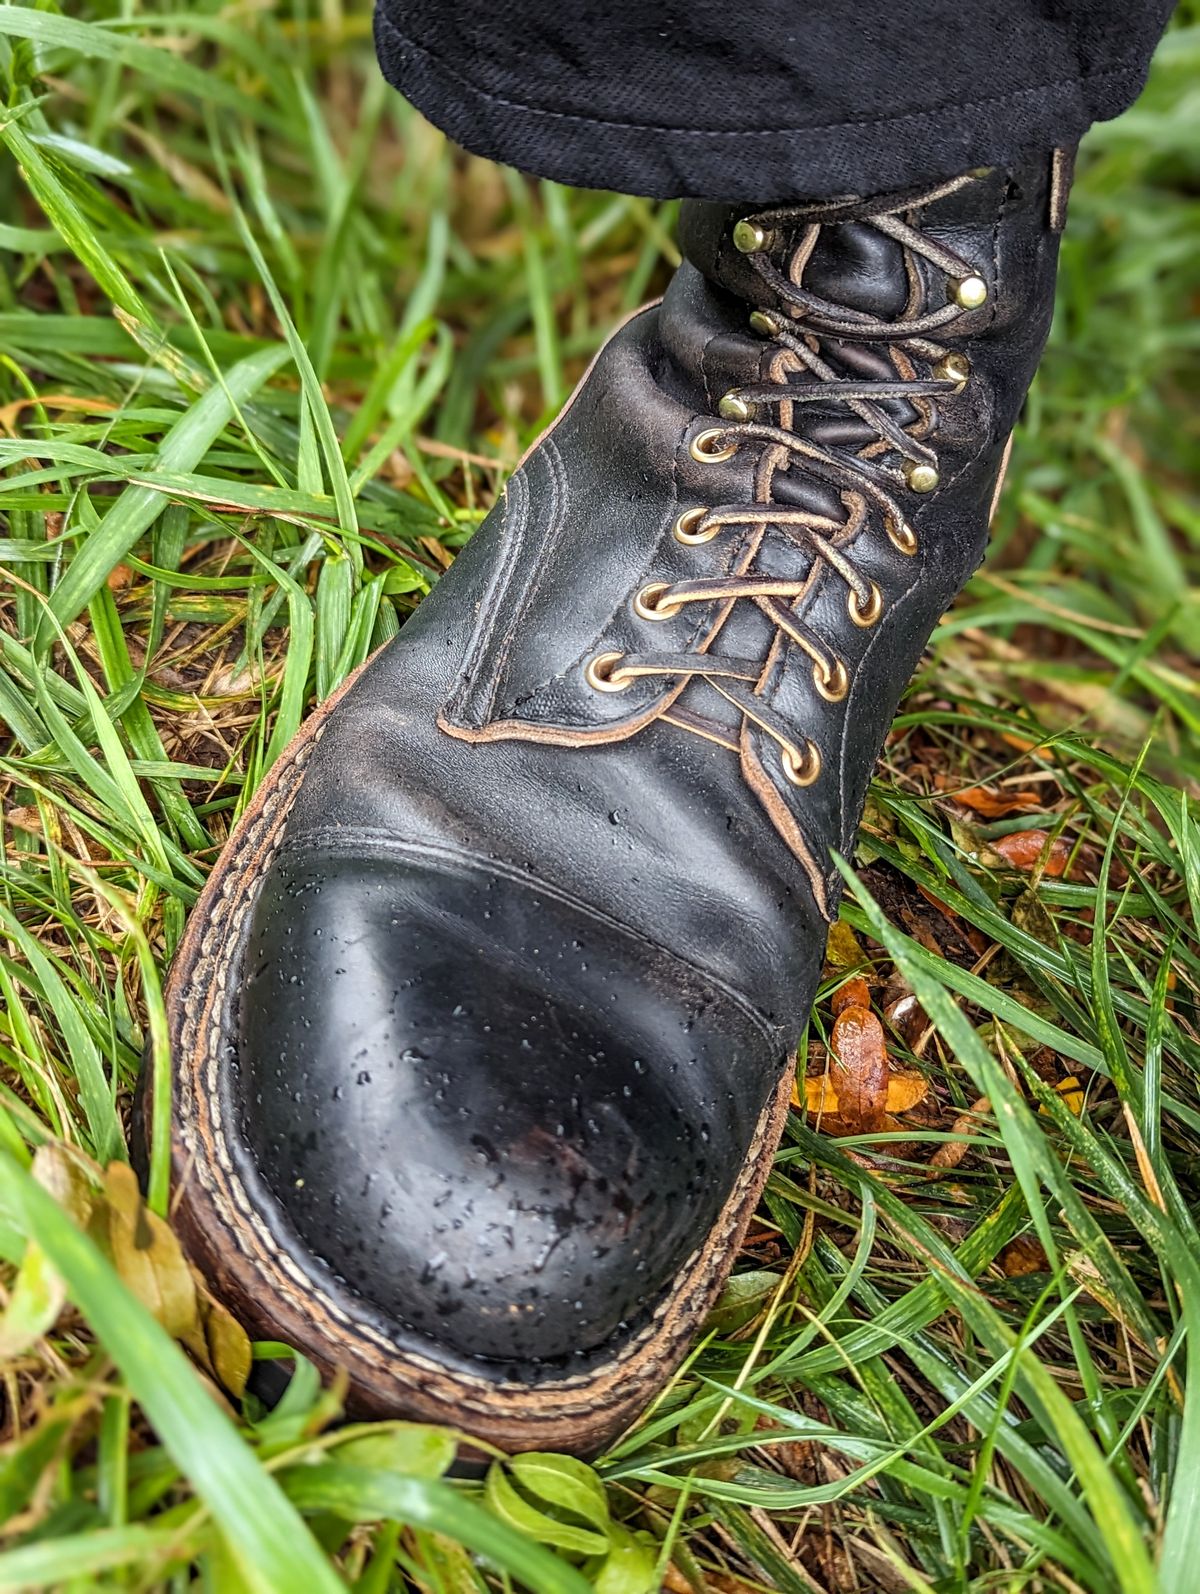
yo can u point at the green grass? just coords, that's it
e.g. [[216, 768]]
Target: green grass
[[267, 349]]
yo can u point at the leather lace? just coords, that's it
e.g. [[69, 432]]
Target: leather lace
[[900, 460]]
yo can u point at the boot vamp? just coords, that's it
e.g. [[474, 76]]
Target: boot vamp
[[477, 727], [652, 828]]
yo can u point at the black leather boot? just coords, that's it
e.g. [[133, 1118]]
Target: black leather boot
[[482, 1029]]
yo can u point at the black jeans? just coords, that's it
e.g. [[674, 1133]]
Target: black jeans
[[770, 100]]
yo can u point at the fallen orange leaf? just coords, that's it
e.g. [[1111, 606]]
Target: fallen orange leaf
[[951, 1152], [1033, 849], [987, 800], [1071, 1092], [1023, 1256], [820, 1095], [855, 993], [858, 1044]]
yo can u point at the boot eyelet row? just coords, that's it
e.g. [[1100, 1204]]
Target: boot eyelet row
[[687, 528], [802, 769], [920, 475], [648, 603], [601, 673], [865, 615], [831, 682], [705, 448], [901, 536]]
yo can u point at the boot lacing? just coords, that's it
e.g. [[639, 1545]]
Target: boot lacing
[[864, 480]]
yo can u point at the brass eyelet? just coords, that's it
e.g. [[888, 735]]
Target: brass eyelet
[[733, 407], [801, 770], [750, 237], [953, 367], [969, 293], [874, 607], [648, 604], [684, 528], [600, 673], [832, 684], [704, 452], [920, 476], [901, 536]]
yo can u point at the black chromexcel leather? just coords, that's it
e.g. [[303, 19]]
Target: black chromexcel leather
[[483, 1030]]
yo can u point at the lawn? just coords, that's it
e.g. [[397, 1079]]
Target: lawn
[[268, 348]]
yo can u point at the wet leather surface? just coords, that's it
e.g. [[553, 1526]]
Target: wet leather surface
[[510, 1010], [455, 1120]]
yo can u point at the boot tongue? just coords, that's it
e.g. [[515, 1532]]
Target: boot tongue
[[856, 267], [852, 264]]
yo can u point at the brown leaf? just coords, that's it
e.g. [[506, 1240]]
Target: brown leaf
[[23, 819], [1023, 744], [862, 1074], [854, 993], [220, 1344], [820, 1095], [987, 800], [66, 1178], [442, 560], [907, 1018], [147, 1254], [952, 1152], [1022, 1256], [674, 1581], [1033, 849]]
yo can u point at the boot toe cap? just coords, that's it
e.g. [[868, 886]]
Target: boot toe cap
[[476, 1116]]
